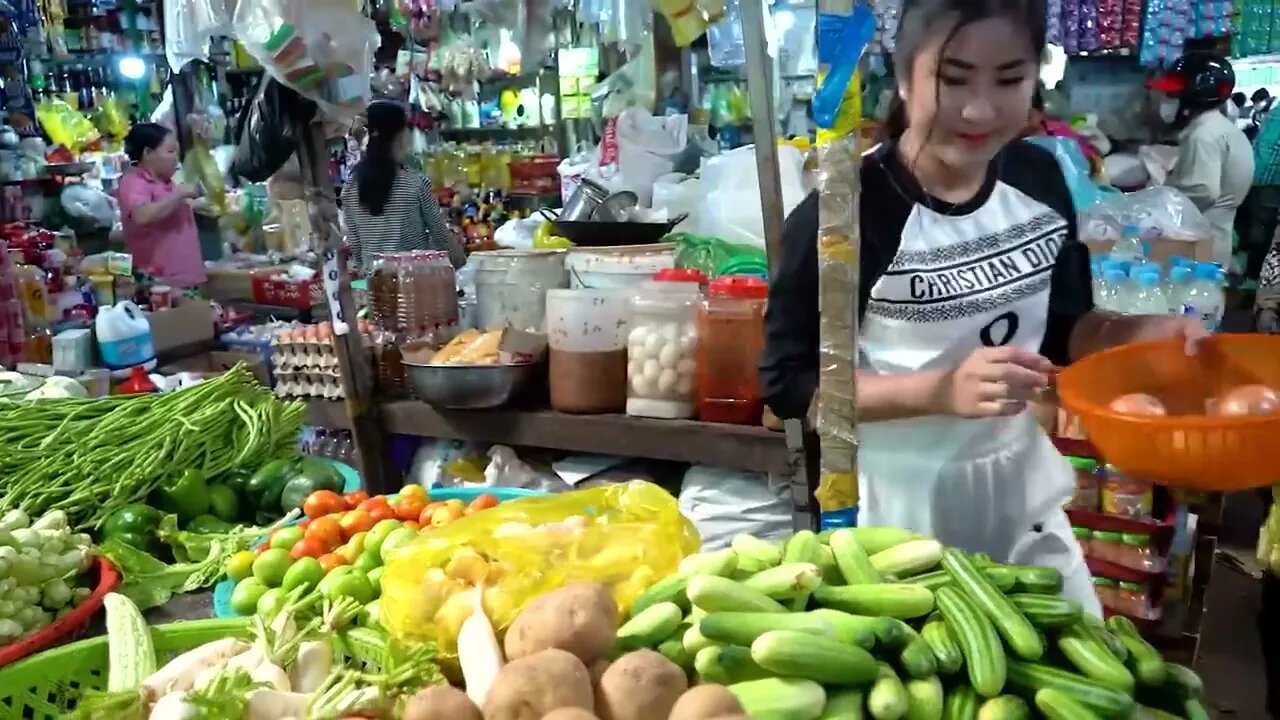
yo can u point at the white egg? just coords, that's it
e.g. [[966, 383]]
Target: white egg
[[684, 385], [689, 329], [653, 343], [671, 332], [669, 357], [652, 370], [637, 335], [686, 367], [667, 381], [635, 368], [688, 344], [641, 386], [637, 352]]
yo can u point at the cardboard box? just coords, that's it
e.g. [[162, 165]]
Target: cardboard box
[[217, 362], [1162, 250], [187, 323]]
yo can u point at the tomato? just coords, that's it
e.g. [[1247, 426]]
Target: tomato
[[353, 499], [414, 491], [409, 508], [382, 512], [286, 537], [355, 521], [330, 561], [308, 547], [328, 530], [446, 514], [482, 502], [305, 524], [323, 502], [428, 511], [413, 525], [373, 502], [240, 565], [271, 566]]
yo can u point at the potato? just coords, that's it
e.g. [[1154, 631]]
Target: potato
[[581, 618], [705, 702], [641, 685], [569, 714], [534, 685], [441, 703]]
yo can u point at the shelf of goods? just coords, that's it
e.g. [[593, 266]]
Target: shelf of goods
[[737, 447], [1177, 633]]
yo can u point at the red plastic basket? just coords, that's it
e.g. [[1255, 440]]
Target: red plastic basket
[[1186, 448], [74, 622]]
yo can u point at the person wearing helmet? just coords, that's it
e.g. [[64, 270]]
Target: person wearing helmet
[[1215, 160]]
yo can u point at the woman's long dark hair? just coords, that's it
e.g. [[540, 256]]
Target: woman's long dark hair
[[920, 17], [376, 173]]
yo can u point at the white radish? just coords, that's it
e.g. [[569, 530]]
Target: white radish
[[173, 706], [272, 675], [478, 651], [207, 676], [272, 704], [248, 660], [312, 666], [179, 673]]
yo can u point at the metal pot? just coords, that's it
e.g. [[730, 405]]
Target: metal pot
[[616, 208], [583, 202]]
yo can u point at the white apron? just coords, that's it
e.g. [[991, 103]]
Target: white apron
[[991, 485]]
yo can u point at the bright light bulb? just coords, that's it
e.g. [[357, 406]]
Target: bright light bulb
[[132, 67]]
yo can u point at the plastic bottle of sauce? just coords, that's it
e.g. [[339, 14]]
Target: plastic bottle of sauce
[[731, 334]]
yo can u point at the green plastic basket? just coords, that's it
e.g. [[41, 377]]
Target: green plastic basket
[[48, 686]]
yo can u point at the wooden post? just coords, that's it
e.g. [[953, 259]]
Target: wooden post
[[353, 360], [838, 253]]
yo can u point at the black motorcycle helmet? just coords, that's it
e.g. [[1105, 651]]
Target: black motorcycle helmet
[[1199, 81]]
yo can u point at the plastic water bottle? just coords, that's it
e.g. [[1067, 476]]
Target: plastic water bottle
[[1176, 288], [1147, 298], [1205, 299], [1114, 296], [1129, 246]]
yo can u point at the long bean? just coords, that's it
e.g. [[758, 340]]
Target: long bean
[[88, 457]]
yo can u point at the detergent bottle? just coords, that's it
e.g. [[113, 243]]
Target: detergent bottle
[[124, 337]]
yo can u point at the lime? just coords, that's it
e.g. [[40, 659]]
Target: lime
[[397, 539], [223, 503], [356, 544], [333, 576], [272, 602], [373, 541], [304, 572], [353, 585], [244, 599], [286, 538], [367, 562], [370, 615], [240, 565], [271, 566], [375, 579]]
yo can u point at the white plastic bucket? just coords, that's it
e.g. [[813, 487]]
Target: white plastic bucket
[[511, 287], [612, 268], [124, 337]]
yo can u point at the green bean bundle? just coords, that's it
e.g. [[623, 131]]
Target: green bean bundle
[[88, 457]]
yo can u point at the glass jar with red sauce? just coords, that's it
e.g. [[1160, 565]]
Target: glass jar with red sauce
[[731, 338]]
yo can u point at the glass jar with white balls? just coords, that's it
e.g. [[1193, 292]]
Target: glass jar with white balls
[[661, 351]]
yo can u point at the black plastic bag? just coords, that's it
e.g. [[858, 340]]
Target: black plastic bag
[[265, 137]]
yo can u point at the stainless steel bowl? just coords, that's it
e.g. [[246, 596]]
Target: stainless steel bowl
[[467, 387]]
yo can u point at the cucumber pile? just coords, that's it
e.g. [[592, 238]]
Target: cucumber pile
[[881, 623]]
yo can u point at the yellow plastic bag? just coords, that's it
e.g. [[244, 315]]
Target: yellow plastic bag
[[625, 536], [65, 125], [200, 165]]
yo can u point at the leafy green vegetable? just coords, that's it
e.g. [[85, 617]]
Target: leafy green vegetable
[[225, 697]]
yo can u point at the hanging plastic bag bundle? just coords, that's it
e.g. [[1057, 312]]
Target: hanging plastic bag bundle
[[624, 536]]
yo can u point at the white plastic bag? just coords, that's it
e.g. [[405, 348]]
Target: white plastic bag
[[730, 206], [323, 49], [636, 149], [676, 193], [1159, 212], [189, 25], [572, 168], [723, 503]]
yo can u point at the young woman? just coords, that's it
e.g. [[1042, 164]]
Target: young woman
[[388, 207], [973, 288], [158, 216]]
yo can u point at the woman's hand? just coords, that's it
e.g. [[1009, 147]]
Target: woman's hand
[[188, 192], [993, 382], [1162, 327]]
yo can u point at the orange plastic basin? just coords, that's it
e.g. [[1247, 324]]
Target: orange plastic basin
[[1185, 449]]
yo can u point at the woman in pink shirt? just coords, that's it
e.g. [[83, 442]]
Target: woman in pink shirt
[[158, 216]]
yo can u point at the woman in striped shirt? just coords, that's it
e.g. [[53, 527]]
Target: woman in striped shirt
[[388, 207]]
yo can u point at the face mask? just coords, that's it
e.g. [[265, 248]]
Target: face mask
[[1169, 110]]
